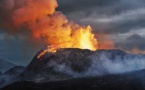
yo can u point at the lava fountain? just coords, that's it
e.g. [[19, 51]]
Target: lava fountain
[[81, 38]]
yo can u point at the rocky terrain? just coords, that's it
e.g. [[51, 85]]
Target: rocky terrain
[[78, 69]]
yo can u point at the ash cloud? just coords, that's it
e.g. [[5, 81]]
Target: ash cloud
[[38, 20], [120, 19], [15, 20]]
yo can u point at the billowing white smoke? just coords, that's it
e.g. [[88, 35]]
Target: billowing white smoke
[[119, 65], [102, 63]]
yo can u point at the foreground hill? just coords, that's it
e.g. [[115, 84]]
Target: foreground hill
[[76, 69], [128, 81], [76, 63]]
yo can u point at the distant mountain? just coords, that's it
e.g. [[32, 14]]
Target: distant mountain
[[5, 65], [15, 70], [11, 75]]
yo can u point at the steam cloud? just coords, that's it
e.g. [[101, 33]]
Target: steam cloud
[[103, 63]]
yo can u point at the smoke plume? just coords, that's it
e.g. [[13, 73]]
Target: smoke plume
[[39, 19]]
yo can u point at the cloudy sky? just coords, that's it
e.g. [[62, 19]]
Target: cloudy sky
[[122, 20]]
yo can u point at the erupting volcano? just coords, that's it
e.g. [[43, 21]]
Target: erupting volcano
[[72, 50], [58, 33]]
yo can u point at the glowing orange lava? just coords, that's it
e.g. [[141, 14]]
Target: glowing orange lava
[[82, 38]]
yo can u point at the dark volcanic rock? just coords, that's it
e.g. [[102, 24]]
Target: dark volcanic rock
[[77, 59], [76, 69], [129, 81], [74, 63]]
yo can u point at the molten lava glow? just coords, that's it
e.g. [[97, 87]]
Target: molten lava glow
[[82, 38], [86, 39]]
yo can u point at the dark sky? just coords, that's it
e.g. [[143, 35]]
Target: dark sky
[[122, 20]]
